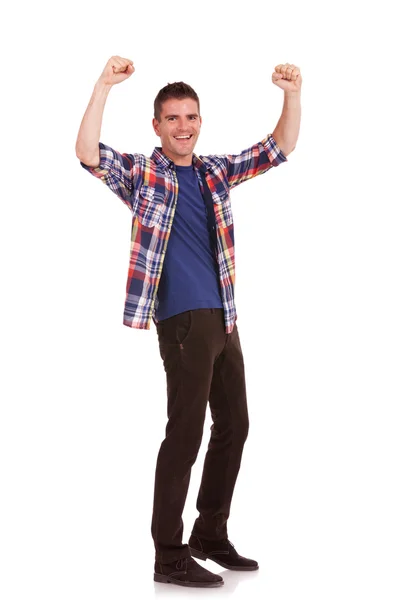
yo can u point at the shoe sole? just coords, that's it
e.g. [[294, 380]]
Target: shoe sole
[[203, 556], [165, 579]]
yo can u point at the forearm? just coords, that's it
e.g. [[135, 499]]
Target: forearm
[[287, 129], [87, 143]]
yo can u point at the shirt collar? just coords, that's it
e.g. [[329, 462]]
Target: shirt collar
[[165, 162]]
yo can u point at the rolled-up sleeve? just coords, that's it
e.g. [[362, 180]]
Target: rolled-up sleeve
[[117, 171], [253, 161]]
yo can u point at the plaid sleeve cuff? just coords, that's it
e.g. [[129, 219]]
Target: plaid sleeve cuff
[[275, 154], [104, 165]]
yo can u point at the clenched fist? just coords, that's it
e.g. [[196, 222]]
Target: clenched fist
[[116, 70], [287, 77]]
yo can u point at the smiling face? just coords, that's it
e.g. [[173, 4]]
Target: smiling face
[[178, 128]]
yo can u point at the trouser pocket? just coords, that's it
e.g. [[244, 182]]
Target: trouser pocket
[[176, 330]]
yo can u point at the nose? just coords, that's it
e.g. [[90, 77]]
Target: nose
[[182, 125]]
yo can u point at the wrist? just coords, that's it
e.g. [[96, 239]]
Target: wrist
[[292, 94], [100, 86]]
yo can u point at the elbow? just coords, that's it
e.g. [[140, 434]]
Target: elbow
[[87, 153], [88, 160], [79, 153], [286, 153]]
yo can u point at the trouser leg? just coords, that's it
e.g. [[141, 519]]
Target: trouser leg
[[229, 431], [189, 344]]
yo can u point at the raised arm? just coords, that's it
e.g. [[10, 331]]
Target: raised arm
[[286, 132], [274, 148], [116, 70]]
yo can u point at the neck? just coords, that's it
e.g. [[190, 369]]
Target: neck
[[181, 161]]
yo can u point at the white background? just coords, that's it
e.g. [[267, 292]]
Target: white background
[[83, 398]]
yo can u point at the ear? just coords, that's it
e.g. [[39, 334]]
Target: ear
[[156, 127]]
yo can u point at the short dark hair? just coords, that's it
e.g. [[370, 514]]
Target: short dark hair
[[178, 90]]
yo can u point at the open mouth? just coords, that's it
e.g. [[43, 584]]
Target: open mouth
[[183, 138]]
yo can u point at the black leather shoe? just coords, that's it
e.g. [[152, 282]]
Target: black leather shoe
[[186, 571], [222, 552]]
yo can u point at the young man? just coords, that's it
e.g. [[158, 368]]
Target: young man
[[181, 276]]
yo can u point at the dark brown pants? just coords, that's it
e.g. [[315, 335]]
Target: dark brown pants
[[202, 364]]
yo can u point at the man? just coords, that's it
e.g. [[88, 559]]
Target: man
[[182, 276]]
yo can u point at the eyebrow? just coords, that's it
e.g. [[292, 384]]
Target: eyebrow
[[192, 115]]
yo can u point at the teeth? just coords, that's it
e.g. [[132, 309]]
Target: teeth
[[184, 137]]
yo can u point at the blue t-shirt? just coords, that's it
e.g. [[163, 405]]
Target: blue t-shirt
[[189, 278]]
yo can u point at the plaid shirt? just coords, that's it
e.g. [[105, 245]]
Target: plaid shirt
[[149, 187]]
